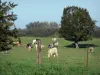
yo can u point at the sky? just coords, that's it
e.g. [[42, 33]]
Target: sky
[[50, 10]]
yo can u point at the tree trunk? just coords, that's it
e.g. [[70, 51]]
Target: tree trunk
[[76, 45]]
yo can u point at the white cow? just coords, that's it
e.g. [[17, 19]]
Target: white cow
[[52, 52], [91, 50], [56, 44], [34, 41], [50, 46], [54, 39], [42, 46], [36, 45]]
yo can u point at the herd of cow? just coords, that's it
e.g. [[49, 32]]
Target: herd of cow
[[52, 47]]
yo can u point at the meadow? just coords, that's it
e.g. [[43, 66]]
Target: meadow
[[71, 61]]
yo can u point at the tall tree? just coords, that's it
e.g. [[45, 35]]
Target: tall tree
[[76, 24], [7, 19]]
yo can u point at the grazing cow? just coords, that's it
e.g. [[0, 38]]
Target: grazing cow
[[54, 39], [36, 45], [34, 41], [52, 52], [42, 46], [29, 46], [16, 44], [50, 46], [91, 50], [55, 44]]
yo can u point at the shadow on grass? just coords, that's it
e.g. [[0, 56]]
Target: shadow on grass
[[81, 45]]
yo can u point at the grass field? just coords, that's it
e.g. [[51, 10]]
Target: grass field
[[71, 61]]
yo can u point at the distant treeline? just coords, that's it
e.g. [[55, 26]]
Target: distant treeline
[[97, 32], [44, 29], [41, 29]]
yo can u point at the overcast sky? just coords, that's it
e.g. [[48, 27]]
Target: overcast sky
[[50, 10]]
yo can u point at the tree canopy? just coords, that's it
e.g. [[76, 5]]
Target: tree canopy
[[76, 24], [7, 18]]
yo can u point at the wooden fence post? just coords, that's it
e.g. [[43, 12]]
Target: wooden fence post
[[38, 51]]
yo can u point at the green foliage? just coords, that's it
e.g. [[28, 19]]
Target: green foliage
[[97, 32], [76, 24], [7, 19], [40, 29]]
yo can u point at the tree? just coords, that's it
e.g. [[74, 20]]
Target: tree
[[97, 32], [41, 29], [76, 24], [7, 19]]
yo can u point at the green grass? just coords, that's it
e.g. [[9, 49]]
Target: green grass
[[71, 61]]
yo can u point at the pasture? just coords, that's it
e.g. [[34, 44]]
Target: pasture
[[71, 61]]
